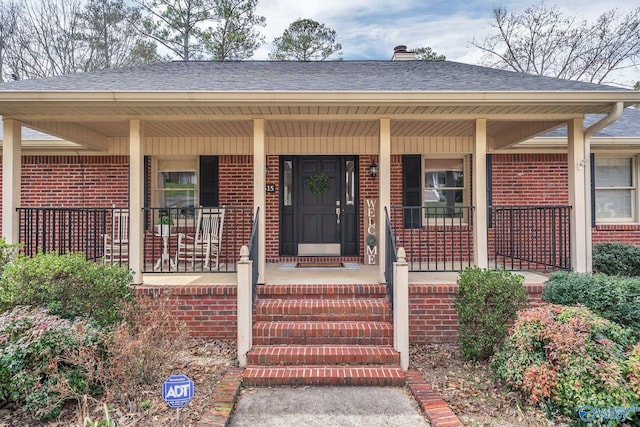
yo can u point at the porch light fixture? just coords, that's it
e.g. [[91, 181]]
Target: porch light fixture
[[373, 170]]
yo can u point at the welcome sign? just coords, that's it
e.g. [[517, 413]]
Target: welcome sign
[[371, 232]]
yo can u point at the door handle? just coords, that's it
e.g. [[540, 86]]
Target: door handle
[[338, 210]]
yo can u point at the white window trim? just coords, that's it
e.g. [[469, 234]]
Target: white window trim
[[155, 171], [466, 190], [634, 189]]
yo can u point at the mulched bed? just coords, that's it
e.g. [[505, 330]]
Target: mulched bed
[[467, 387], [470, 390]]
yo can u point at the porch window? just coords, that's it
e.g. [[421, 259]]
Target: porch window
[[615, 185], [434, 189], [444, 187], [177, 185]]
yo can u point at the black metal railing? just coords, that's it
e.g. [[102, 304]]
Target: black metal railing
[[188, 245], [103, 234], [254, 248], [435, 238], [64, 230], [535, 238], [391, 256]]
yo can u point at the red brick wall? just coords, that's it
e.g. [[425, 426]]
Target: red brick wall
[[272, 216], [432, 316], [74, 181], [530, 179], [209, 311]]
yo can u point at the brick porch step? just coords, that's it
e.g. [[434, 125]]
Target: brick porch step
[[338, 291], [319, 309], [323, 355], [316, 333], [324, 375]]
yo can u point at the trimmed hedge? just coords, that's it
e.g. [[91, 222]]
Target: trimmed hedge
[[486, 302], [616, 259], [68, 285], [612, 297]]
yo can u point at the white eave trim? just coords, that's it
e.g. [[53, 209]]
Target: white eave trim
[[344, 97]]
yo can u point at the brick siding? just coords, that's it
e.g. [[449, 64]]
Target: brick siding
[[76, 181]]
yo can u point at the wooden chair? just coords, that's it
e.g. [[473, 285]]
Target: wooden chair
[[116, 244], [204, 246]]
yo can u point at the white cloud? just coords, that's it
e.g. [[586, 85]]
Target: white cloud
[[369, 29]]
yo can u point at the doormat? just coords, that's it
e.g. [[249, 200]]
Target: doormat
[[318, 266]]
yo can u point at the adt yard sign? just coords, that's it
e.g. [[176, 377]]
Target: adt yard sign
[[177, 390]]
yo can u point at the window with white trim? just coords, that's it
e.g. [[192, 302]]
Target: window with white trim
[[615, 189], [444, 187], [176, 185]]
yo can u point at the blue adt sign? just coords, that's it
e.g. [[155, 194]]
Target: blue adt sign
[[177, 390]]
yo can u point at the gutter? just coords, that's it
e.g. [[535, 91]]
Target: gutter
[[614, 114]]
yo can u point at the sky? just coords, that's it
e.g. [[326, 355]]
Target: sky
[[369, 29]]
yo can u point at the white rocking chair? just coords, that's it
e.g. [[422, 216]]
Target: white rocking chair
[[116, 244], [204, 246]]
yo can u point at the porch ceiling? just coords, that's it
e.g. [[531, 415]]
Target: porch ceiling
[[199, 119]]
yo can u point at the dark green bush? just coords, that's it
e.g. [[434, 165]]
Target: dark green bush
[[562, 358], [612, 297], [46, 361], [8, 253], [68, 286], [616, 259], [486, 303]]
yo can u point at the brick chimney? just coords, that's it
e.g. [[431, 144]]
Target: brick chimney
[[400, 53]]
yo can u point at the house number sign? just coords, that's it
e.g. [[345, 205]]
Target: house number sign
[[270, 188]]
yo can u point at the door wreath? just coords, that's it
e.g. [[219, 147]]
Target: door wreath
[[318, 183]]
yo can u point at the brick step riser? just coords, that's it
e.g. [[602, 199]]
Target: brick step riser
[[334, 376], [312, 340], [323, 318], [330, 297], [363, 310], [319, 359], [328, 292]]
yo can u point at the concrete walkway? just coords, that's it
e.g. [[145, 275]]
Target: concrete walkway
[[327, 406]]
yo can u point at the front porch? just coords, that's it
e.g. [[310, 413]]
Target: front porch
[[367, 274]]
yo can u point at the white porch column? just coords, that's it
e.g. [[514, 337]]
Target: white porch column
[[11, 179], [480, 245], [136, 198], [244, 307], [579, 197], [259, 191], [384, 192]]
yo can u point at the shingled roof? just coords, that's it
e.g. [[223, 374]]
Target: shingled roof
[[292, 76], [627, 126]]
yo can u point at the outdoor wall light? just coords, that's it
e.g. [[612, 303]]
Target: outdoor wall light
[[373, 170]]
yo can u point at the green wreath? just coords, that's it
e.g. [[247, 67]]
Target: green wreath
[[318, 183], [372, 240]]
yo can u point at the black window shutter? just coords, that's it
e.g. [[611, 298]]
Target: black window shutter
[[147, 199], [592, 166], [489, 190], [412, 189], [209, 181]]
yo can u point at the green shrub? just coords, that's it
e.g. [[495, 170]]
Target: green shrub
[[616, 259], [8, 253], [561, 358], [614, 298], [46, 361], [68, 285], [486, 303]]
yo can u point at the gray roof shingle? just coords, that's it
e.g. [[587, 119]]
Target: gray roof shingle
[[627, 126], [367, 76]]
